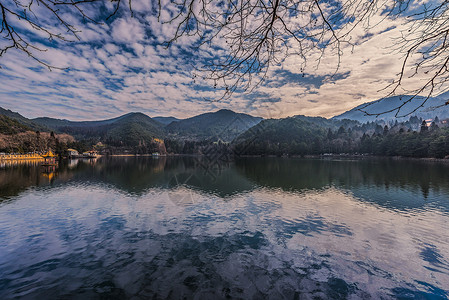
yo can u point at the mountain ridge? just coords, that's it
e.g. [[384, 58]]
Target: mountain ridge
[[135, 127], [380, 106], [223, 124]]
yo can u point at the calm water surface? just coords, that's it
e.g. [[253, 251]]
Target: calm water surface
[[175, 228]]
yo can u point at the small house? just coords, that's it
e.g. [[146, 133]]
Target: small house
[[72, 152]]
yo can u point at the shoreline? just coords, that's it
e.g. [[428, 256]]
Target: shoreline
[[20, 157], [37, 157], [320, 156]]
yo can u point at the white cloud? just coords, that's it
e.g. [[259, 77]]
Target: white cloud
[[117, 68], [127, 30]]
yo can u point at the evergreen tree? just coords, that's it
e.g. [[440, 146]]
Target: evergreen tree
[[330, 134], [424, 127]]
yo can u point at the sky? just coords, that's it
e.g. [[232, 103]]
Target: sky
[[122, 66]]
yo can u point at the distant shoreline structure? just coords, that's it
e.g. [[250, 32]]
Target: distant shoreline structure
[[145, 154], [8, 156], [74, 154]]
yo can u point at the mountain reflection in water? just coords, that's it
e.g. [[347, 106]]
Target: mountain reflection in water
[[253, 228]]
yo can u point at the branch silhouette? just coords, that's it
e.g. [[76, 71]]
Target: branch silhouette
[[253, 36]]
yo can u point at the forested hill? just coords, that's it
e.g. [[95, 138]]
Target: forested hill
[[9, 117], [11, 126], [311, 136], [61, 123], [235, 133], [130, 129], [138, 131], [222, 125], [279, 136], [297, 135]]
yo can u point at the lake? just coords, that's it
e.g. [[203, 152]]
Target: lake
[[253, 228]]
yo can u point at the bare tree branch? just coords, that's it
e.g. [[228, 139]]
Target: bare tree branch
[[14, 11], [244, 39]]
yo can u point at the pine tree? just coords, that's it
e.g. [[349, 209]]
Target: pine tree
[[424, 127]]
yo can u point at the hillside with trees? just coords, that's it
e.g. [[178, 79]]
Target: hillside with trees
[[225, 134], [10, 126], [17, 135], [224, 125], [130, 133], [138, 133], [292, 136], [35, 141], [10, 116], [284, 136], [129, 128]]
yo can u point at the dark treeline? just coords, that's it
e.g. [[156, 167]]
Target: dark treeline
[[301, 136], [413, 138]]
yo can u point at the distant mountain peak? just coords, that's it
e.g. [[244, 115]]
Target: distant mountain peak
[[136, 113], [225, 111], [165, 120], [382, 105], [223, 124]]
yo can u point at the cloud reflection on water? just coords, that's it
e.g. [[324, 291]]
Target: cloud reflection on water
[[91, 234]]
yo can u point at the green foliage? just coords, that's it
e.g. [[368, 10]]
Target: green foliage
[[22, 120], [283, 136], [433, 143], [11, 126], [305, 136], [134, 131]]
